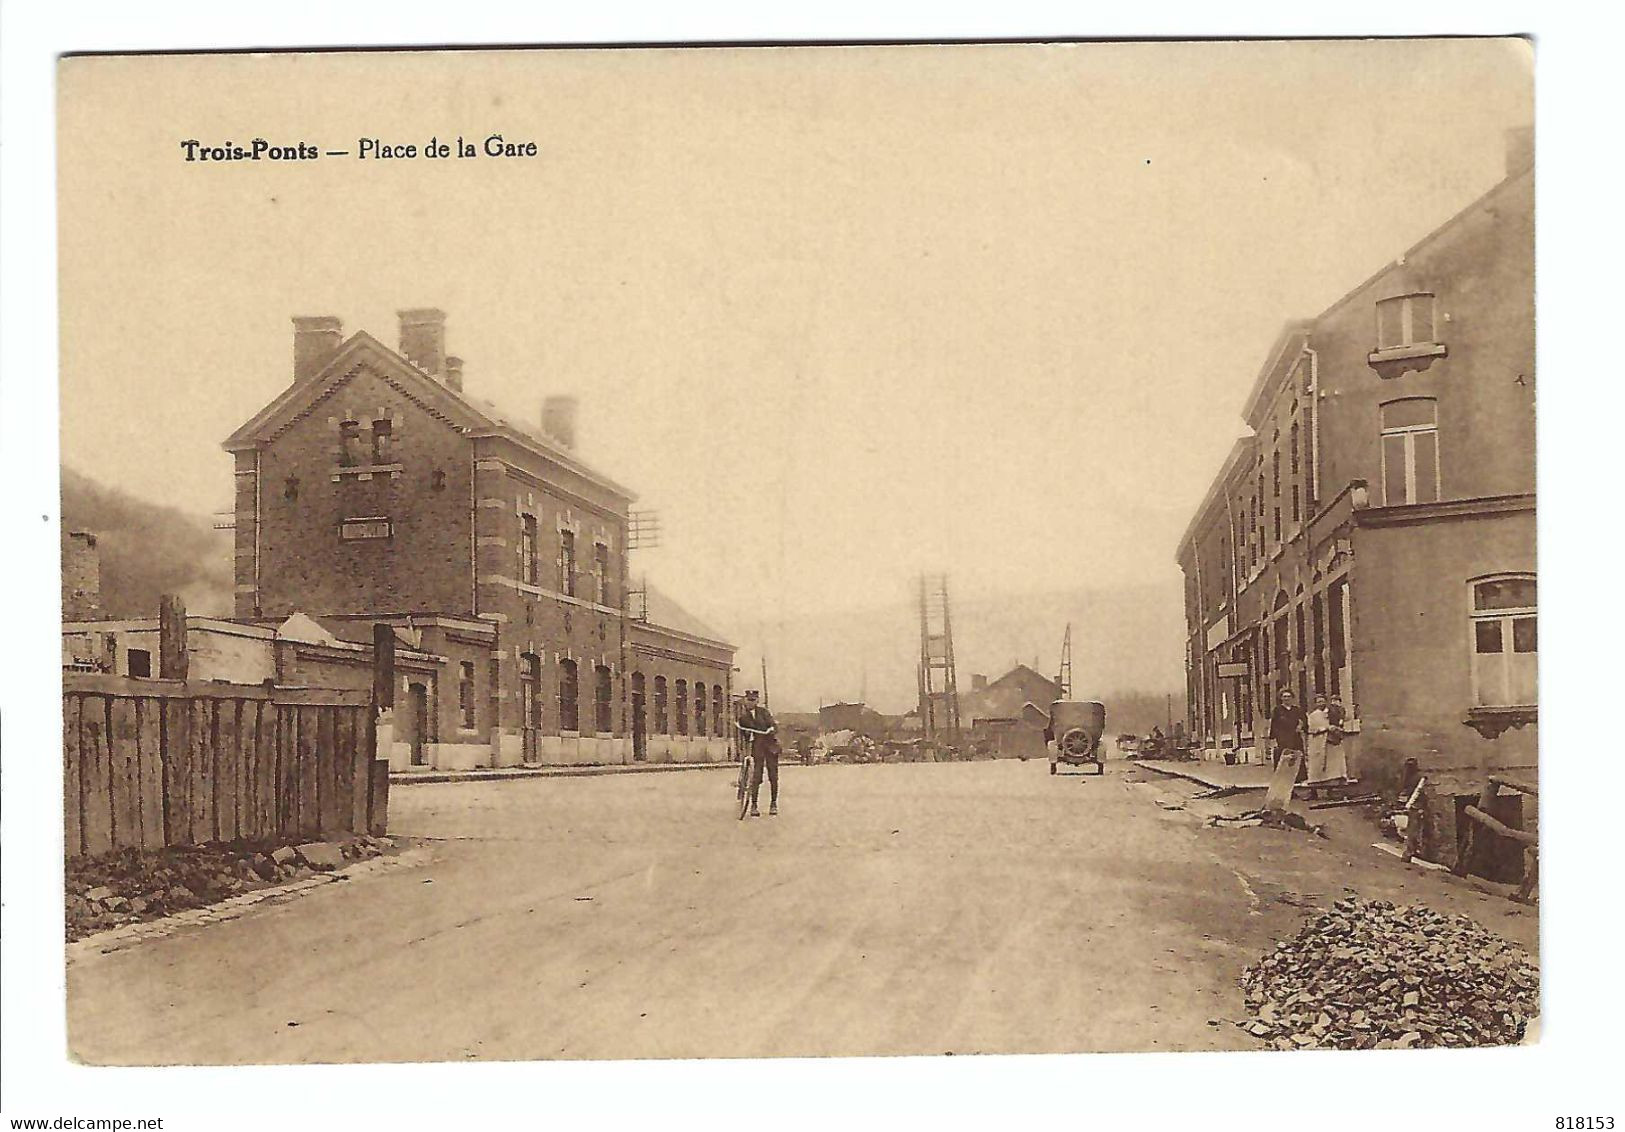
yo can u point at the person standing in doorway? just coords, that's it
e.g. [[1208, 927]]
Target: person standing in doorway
[[1288, 726]]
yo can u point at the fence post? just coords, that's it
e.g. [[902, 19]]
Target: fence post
[[172, 638]]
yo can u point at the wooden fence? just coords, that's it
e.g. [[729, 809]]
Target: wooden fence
[[151, 763]]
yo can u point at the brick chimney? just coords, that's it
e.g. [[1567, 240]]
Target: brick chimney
[[316, 339], [1520, 149], [454, 373], [423, 339], [559, 420], [81, 577], [978, 682]]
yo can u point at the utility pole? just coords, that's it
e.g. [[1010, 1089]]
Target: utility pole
[[939, 706]]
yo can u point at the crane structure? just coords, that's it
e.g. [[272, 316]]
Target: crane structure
[[939, 688]]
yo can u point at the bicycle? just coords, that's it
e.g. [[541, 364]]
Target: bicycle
[[747, 767]]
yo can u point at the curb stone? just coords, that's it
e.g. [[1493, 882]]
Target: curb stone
[[128, 935]]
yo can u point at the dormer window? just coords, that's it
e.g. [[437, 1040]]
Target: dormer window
[[1407, 335]]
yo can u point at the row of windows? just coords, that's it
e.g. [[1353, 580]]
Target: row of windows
[[666, 721], [354, 453], [1305, 648], [530, 565]]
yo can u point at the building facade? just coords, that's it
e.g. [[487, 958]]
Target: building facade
[[1373, 536], [375, 489]]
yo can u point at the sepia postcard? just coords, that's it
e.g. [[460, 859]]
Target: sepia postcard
[[798, 551]]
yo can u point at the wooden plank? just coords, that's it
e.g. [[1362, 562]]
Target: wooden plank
[[103, 684], [150, 770], [177, 747], [201, 787], [341, 772], [243, 782], [320, 696], [309, 822], [328, 810], [265, 773], [1279, 794], [73, 840], [1521, 836], [361, 768], [225, 770], [126, 784], [287, 771], [1517, 784], [95, 776]]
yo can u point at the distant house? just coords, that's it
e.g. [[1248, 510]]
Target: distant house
[[857, 717], [1008, 697]]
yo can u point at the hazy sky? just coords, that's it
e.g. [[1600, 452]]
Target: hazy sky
[[839, 315]]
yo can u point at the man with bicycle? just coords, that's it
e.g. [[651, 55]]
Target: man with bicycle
[[757, 735]]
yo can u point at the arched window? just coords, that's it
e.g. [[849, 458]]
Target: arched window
[[1410, 451], [569, 696], [699, 709], [662, 724], [602, 691], [716, 709], [682, 707], [1504, 644]]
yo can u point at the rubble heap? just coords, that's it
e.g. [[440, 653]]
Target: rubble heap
[[131, 885], [1369, 975]]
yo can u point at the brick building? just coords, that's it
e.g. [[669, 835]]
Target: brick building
[[1373, 536], [374, 488]]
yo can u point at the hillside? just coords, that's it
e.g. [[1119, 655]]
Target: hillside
[[148, 550]]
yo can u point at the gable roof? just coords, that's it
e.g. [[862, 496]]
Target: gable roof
[[472, 416], [1017, 670], [664, 613]]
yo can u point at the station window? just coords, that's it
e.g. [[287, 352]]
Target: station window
[[140, 662], [567, 563], [662, 724], [527, 550], [682, 707], [569, 696]]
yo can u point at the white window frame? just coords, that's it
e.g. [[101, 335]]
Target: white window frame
[[1409, 433], [1505, 617]]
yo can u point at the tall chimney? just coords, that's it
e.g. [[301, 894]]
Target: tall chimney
[[559, 419], [454, 373], [1520, 149], [423, 339], [316, 339]]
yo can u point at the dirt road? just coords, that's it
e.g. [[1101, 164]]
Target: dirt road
[[891, 909]]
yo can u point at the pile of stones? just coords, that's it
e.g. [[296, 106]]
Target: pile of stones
[[132, 885], [1370, 975]]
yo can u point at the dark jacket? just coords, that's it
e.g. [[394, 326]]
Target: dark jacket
[[1288, 726]]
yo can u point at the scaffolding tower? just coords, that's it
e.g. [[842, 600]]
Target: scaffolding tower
[[939, 690], [1065, 677]]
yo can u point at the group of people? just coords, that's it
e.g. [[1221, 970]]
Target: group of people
[[1318, 735]]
